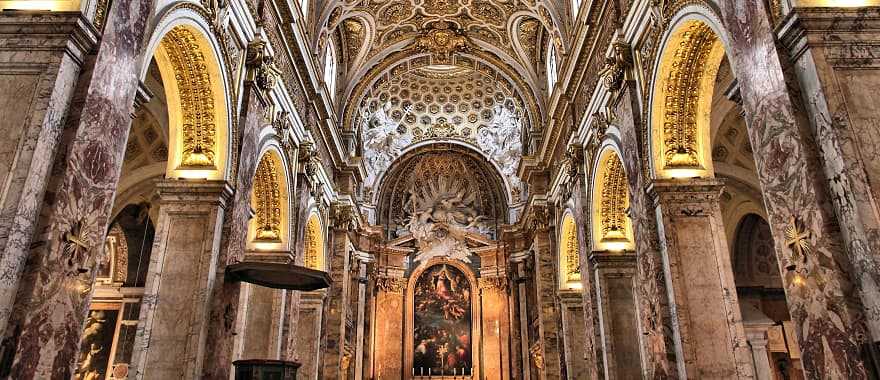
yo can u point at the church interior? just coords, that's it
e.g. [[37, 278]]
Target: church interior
[[439, 189]]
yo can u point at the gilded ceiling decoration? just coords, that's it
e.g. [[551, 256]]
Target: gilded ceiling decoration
[[267, 199], [196, 97]]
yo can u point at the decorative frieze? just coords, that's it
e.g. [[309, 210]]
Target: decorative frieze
[[391, 284]]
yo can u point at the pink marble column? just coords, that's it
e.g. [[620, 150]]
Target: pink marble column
[[42, 54], [173, 326], [707, 325], [614, 276], [495, 359], [819, 267], [54, 286]]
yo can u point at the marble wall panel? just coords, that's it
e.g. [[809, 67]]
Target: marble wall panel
[[614, 274], [260, 319], [388, 357], [495, 341], [548, 325], [572, 309], [308, 336]]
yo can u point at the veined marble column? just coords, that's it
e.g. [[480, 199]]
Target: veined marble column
[[364, 259], [388, 328], [518, 264], [42, 54], [547, 286], [173, 326], [54, 287], [613, 277], [707, 324], [495, 352], [308, 333], [571, 305], [828, 274]]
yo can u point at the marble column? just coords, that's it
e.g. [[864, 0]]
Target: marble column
[[388, 328], [832, 51], [547, 286], [336, 309], [308, 334], [707, 326], [756, 333], [173, 327], [42, 55], [571, 305], [613, 275], [53, 270], [821, 280], [363, 261], [495, 360]]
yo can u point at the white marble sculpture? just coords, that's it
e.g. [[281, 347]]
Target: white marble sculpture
[[442, 213], [501, 141], [382, 141]]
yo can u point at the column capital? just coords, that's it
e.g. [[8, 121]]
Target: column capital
[[185, 191], [613, 260], [685, 191], [67, 32]]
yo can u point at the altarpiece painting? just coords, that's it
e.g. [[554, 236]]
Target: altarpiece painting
[[442, 335]]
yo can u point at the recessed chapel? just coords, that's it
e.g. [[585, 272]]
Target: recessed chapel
[[439, 189]]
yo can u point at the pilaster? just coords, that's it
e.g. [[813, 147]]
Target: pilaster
[[495, 340], [571, 308], [173, 326], [614, 274], [707, 324], [547, 355], [388, 329]]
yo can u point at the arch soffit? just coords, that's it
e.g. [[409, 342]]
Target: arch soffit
[[609, 150], [705, 12], [194, 20]]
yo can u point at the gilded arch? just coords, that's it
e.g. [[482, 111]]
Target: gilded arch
[[569, 254], [612, 228], [196, 94], [682, 101], [269, 199], [313, 250]]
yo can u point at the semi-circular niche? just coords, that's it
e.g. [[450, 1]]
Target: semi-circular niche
[[612, 228], [269, 200], [569, 255]]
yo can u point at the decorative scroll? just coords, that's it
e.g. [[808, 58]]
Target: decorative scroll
[[441, 41], [689, 63], [267, 199], [614, 202], [196, 97], [442, 322]]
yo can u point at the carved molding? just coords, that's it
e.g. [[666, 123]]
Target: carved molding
[[394, 285]]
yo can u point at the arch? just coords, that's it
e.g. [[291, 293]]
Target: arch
[[476, 332], [552, 67], [314, 255], [268, 230], [611, 226], [569, 255], [197, 95], [682, 99]]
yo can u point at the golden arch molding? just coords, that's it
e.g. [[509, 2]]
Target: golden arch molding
[[681, 102], [197, 104]]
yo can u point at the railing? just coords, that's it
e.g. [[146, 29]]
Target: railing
[[442, 374]]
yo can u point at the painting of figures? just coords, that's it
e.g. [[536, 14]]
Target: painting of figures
[[442, 322]]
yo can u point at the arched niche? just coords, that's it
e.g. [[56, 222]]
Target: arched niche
[[569, 255], [611, 226], [424, 177], [197, 105], [268, 229], [420, 285], [682, 101], [313, 247]]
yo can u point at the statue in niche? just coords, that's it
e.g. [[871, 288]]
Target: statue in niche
[[442, 211], [500, 140], [383, 140]]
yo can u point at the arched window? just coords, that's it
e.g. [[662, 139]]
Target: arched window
[[304, 6], [575, 6], [551, 68], [330, 70]]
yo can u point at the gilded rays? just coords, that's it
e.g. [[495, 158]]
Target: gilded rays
[[267, 199], [196, 95]]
